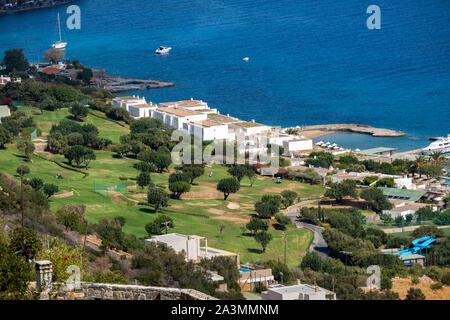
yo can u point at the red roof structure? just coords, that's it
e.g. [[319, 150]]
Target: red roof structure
[[51, 70]]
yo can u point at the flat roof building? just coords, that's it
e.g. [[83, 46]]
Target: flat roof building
[[138, 111], [175, 117], [298, 144], [126, 102], [378, 152], [190, 247], [192, 104], [297, 292], [208, 130]]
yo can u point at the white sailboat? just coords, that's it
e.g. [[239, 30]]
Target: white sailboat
[[59, 44]]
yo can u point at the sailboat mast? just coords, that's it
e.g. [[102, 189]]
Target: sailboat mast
[[59, 28]]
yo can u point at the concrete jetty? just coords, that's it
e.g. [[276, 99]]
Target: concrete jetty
[[356, 128], [121, 84]]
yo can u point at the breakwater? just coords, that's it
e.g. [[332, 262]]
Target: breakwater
[[119, 84], [30, 7], [354, 128]]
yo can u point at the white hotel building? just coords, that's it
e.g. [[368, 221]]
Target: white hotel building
[[197, 118]]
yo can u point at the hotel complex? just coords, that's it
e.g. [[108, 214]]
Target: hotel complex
[[195, 117]]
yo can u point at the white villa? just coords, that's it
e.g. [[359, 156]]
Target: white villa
[[297, 292], [190, 247], [208, 130], [405, 182], [297, 144], [126, 102], [403, 208]]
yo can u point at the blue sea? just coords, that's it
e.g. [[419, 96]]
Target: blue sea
[[311, 61]]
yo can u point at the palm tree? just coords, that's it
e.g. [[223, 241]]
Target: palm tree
[[437, 156], [412, 168], [420, 162]]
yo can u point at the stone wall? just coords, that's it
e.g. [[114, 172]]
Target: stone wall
[[104, 291]]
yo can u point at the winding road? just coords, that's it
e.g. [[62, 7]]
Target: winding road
[[319, 245]]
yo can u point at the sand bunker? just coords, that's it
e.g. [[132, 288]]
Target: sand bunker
[[233, 206], [291, 186], [216, 211], [65, 194]]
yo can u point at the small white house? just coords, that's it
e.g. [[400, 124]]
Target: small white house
[[297, 145], [126, 102], [207, 130], [405, 182], [138, 111], [190, 247], [297, 292], [404, 208]]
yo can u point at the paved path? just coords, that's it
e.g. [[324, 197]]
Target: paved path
[[319, 244]]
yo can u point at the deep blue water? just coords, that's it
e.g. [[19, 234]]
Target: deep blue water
[[311, 61]]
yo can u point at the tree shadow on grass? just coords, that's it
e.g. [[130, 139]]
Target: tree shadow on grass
[[21, 156], [258, 251], [147, 210], [70, 117]]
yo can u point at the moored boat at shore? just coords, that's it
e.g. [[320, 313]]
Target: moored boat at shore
[[442, 145]]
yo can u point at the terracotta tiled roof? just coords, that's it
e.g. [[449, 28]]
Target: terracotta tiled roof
[[51, 70]]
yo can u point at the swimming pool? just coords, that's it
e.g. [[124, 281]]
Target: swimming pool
[[244, 270], [444, 180]]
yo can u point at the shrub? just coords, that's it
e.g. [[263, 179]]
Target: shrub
[[283, 221], [311, 260], [25, 242], [62, 256], [436, 286], [72, 217], [445, 278], [268, 206], [415, 294], [288, 197]]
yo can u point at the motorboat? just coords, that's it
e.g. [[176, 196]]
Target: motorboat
[[163, 50], [246, 59], [442, 145]]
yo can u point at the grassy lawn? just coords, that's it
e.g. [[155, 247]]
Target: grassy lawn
[[201, 212], [408, 233], [107, 129]]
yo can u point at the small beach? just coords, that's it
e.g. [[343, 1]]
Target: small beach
[[364, 141]]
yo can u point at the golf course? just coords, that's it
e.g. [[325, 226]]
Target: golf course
[[202, 211]]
